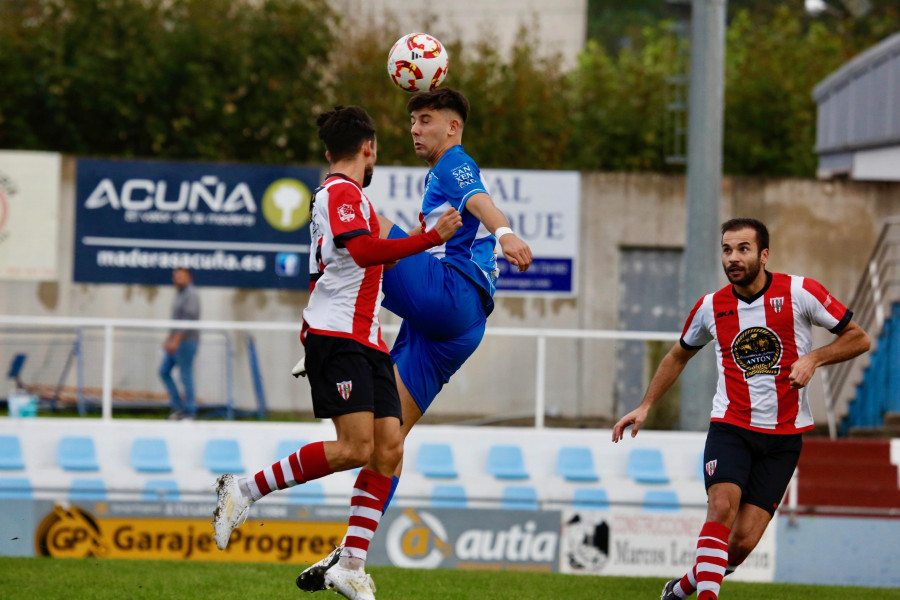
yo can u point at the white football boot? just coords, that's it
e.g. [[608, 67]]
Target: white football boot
[[352, 584], [232, 508]]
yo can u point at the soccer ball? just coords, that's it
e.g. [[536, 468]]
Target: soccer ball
[[418, 62]]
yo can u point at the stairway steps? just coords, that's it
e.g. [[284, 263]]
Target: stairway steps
[[847, 471], [825, 495], [853, 473]]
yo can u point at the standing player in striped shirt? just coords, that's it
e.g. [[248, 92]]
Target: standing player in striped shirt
[[348, 364], [762, 325]]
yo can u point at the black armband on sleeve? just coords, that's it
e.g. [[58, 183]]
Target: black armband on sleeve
[[687, 346], [348, 235], [848, 316]]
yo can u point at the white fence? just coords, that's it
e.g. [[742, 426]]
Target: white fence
[[110, 326]]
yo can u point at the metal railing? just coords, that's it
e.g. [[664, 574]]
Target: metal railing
[[878, 288], [109, 327]]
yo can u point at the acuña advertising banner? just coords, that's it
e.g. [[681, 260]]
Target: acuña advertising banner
[[233, 225]]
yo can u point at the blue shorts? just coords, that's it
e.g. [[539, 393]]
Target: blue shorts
[[443, 321]]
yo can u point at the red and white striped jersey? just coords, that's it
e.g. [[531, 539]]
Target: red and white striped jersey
[[345, 298], [758, 339]]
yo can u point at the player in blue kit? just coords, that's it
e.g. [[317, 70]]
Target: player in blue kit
[[443, 295]]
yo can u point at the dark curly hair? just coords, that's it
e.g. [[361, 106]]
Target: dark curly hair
[[344, 130]]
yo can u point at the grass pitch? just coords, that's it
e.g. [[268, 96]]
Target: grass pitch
[[92, 579]]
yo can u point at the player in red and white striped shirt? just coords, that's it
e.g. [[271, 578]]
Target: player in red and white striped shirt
[[347, 363], [762, 325]]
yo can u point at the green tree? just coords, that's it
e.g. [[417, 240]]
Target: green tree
[[519, 115], [770, 116], [618, 119], [201, 79]]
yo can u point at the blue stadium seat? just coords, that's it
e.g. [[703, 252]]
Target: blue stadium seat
[[150, 455], [223, 456], [519, 497], [661, 501], [311, 493], [288, 447], [576, 463], [90, 490], [645, 465], [161, 490], [15, 488], [506, 462], [436, 460], [76, 453], [448, 496], [11, 453], [590, 499]]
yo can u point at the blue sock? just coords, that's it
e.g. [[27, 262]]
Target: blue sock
[[394, 481]]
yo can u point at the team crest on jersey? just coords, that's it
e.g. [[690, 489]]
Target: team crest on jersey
[[777, 303], [757, 351], [711, 467], [344, 388], [463, 175], [346, 213]]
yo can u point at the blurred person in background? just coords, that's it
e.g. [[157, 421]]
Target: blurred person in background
[[180, 347]]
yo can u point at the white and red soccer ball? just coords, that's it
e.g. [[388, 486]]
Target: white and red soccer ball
[[418, 62]]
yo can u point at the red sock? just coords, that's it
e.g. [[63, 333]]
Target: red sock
[[370, 492], [712, 557], [306, 464], [688, 584]]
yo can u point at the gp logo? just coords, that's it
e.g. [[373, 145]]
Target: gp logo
[[69, 533]]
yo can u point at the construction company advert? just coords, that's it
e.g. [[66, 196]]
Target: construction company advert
[[542, 208], [29, 215], [233, 225]]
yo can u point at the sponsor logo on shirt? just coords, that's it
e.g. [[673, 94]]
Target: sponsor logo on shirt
[[463, 175], [756, 351], [346, 213]]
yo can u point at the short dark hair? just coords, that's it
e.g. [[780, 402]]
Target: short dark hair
[[440, 98], [762, 234], [344, 130]]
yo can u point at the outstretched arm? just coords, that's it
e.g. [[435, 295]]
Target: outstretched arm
[[515, 250], [851, 342], [668, 371], [369, 251]]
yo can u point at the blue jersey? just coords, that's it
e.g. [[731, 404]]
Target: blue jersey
[[453, 180]]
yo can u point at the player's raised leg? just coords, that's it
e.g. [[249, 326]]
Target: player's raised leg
[[313, 461]]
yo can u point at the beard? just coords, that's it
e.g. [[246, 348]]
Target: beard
[[745, 277], [367, 176]]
